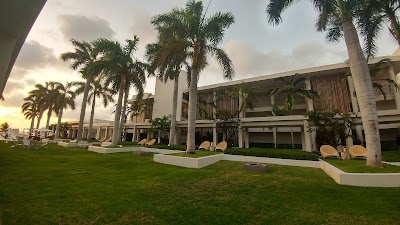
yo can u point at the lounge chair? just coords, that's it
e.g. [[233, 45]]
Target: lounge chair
[[357, 151], [102, 139], [107, 142], [221, 146], [18, 141], [142, 142], [329, 151], [151, 142], [30, 143], [205, 146]]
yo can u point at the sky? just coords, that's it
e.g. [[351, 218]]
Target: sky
[[255, 47]]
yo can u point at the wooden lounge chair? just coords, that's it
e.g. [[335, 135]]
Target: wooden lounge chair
[[102, 139], [329, 151], [151, 142], [107, 142], [357, 151], [221, 146], [142, 142], [205, 146]]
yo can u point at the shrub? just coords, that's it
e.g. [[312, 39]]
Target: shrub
[[391, 156], [389, 145], [127, 143], [271, 145], [273, 153], [174, 147]]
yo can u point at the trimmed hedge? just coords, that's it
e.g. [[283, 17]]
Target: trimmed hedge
[[271, 145], [391, 156], [173, 147], [273, 153], [389, 145]]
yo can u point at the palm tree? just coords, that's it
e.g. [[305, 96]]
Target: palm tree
[[121, 71], [198, 37], [40, 97], [4, 127], [336, 17], [82, 58], [97, 90], [374, 14], [291, 89], [29, 109], [166, 59], [64, 99], [49, 99], [140, 106]]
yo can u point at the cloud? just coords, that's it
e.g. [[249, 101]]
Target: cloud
[[13, 85], [13, 99], [34, 55], [142, 26], [84, 28]]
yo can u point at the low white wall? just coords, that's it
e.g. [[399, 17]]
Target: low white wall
[[67, 144], [361, 179], [187, 161], [285, 162]]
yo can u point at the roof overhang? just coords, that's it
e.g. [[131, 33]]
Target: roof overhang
[[16, 20]]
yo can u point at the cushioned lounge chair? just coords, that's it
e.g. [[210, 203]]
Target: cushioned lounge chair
[[221, 146], [107, 142], [329, 151], [151, 142], [142, 142], [205, 146], [357, 151]]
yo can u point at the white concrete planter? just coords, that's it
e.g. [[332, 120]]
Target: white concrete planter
[[285, 162], [187, 161], [361, 179], [68, 145], [103, 150]]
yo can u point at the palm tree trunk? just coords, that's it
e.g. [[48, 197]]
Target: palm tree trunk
[[122, 119], [364, 91], [118, 112], [83, 110], [32, 123], [49, 116], [190, 141], [38, 122], [89, 136], [60, 113], [172, 131]]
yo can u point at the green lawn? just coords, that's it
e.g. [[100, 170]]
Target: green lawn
[[73, 186], [198, 154], [358, 166]]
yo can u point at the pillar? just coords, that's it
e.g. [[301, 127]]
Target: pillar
[[240, 136], [274, 132], [246, 138], [396, 92], [98, 133], [134, 134], [215, 135], [307, 137]]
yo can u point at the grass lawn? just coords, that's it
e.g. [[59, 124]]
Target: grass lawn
[[198, 154], [358, 166], [73, 186]]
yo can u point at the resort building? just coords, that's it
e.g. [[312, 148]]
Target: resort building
[[262, 125]]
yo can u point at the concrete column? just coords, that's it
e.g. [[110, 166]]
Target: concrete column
[[274, 132], [396, 92], [177, 140], [215, 135], [246, 138], [240, 136], [98, 133], [307, 137], [360, 133], [215, 102], [106, 133], [353, 97], [148, 135], [242, 113], [310, 102], [134, 134]]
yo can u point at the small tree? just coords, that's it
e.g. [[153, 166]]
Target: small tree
[[161, 126], [4, 127], [332, 127]]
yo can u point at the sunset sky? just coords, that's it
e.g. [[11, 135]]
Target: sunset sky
[[255, 47]]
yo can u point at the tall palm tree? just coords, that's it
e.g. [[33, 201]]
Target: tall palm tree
[[199, 36], [97, 90], [65, 98], [29, 109], [166, 58], [49, 99], [119, 68], [374, 15], [39, 93], [82, 58], [291, 89], [336, 17]]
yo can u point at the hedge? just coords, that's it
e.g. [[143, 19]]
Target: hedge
[[273, 153], [391, 156]]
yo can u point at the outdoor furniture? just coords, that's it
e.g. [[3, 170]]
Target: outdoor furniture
[[221, 146], [83, 144], [142, 142], [151, 142], [30, 143], [357, 151], [329, 151], [18, 141], [205, 145], [107, 142], [102, 139]]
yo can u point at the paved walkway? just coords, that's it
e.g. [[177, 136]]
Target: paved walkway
[[394, 163]]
